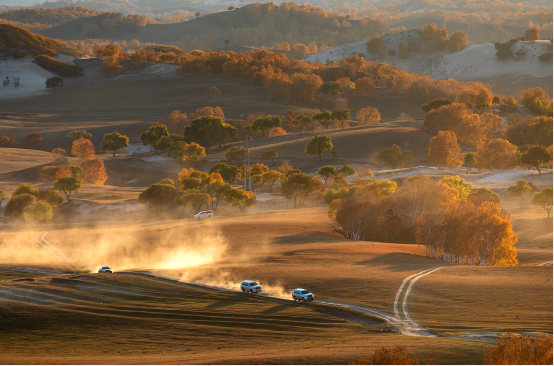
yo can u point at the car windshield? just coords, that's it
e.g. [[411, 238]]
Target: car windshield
[[305, 292], [253, 284]]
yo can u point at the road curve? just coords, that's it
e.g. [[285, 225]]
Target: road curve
[[405, 325]]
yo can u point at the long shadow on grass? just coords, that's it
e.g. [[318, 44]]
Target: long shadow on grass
[[400, 261], [307, 238]]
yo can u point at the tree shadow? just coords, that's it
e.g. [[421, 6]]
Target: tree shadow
[[307, 238], [276, 309], [220, 304], [399, 262]]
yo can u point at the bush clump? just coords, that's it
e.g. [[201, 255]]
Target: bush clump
[[58, 67]]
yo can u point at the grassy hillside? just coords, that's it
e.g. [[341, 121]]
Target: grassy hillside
[[19, 42], [51, 17]]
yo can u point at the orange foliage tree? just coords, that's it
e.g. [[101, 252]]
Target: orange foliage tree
[[444, 150], [517, 349], [496, 154], [59, 156], [82, 148], [368, 115], [93, 171]]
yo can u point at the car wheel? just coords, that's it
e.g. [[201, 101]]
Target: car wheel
[[242, 289], [251, 291], [303, 300]]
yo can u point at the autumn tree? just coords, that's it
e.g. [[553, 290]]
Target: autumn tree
[[227, 172], [368, 115], [496, 154], [532, 34], [330, 88], [25, 189], [235, 154], [77, 134], [444, 150], [458, 41], [435, 104], [326, 171], [537, 101], [54, 82], [158, 195], [536, 156], [63, 171], [394, 157], [153, 135], [34, 140], [241, 199], [519, 189], [212, 93], [194, 199], [93, 171], [38, 211], [16, 205], [82, 148], [341, 115], [265, 124], [323, 117], [175, 122], [300, 121], [518, 349], [209, 131], [364, 86], [299, 185], [393, 356], [544, 199], [270, 178], [464, 188], [52, 197], [270, 155], [317, 145], [227, 42], [67, 185], [469, 161], [376, 45], [346, 170], [483, 194], [114, 141]]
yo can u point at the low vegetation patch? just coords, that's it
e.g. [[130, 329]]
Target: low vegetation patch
[[58, 67]]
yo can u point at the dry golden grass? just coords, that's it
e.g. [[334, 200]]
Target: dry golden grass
[[135, 319], [17, 159]]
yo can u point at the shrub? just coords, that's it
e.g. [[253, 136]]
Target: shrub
[[58, 67]]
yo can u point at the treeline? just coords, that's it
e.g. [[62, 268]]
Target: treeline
[[20, 42], [474, 232], [288, 80], [48, 17]]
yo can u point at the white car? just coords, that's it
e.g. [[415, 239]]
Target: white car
[[250, 286], [204, 215], [105, 269], [301, 294]]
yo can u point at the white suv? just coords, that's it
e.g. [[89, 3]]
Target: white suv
[[204, 214], [105, 269], [301, 294], [250, 286]]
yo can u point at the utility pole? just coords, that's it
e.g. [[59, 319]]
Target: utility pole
[[245, 157]]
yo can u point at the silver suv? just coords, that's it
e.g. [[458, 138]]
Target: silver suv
[[204, 215], [105, 269], [250, 286], [301, 294]]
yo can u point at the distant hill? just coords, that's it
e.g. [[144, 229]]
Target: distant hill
[[50, 17], [257, 25], [18, 42]]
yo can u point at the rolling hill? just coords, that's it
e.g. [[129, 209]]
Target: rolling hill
[[474, 63]]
